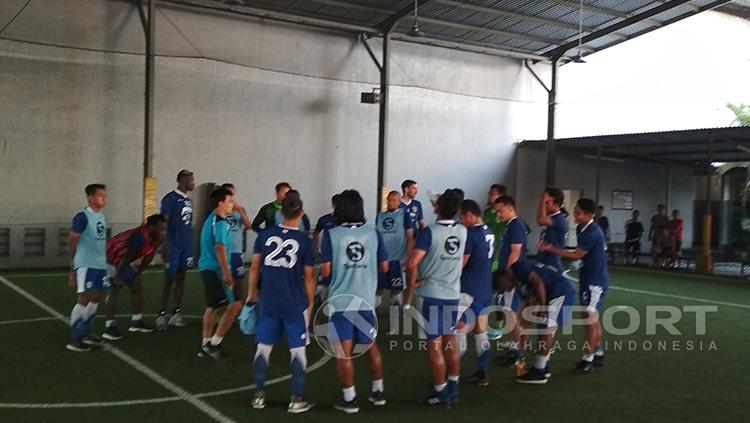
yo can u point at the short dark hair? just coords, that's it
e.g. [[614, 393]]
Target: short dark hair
[[500, 189], [470, 206], [349, 208], [637, 211], [291, 207], [407, 183], [506, 199], [227, 185], [600, 207], [91, 189], [334, 198], [557, 195], [394, 192], [217, 196], [282, 185], [460, 193], [660, 206], [184, 173], [586, 205], [448, 204], [155, 219]]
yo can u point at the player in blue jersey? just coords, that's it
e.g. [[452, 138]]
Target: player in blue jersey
[[512, 249], [476, 288], [409, 203], [177, 249], [438, 257], [239, 224], [554, 295], [398, 237], [323, 224], [352, 253], [87, 246], [283, 257], [219, 285], [594, 279], [553, 220]]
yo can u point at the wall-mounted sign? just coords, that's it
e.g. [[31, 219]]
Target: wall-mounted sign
[[622, 200]]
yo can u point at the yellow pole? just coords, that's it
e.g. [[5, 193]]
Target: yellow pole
[[703, 261], [149, 197]]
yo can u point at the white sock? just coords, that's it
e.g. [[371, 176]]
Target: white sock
[[397, 299], [508, 298], [453, 378], [216, 340], [137, 317], [205, 341], [588, 357], [378, 300], [349, 393], [514, 346], [109, 323], [599, 352], [264, 350], [90, 310], [482, 343], [441, 387], [541, 361], [461, 340], [377, 385], [78, 313]]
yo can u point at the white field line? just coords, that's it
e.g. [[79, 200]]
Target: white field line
[[117, 316], [661, 294], [137, 365], [103, 404]]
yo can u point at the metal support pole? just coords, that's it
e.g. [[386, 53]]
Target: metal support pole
[[703, 263], [598, 173], [149, 182], [669, 187], [383, 119], [550, 144]]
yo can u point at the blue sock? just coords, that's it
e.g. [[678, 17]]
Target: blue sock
[[77, 323], [298, 364], [483, 351], [452, 386], [260, 366], [90, 312]]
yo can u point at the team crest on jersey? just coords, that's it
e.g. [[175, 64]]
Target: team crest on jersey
[[452, 244], [355, 251], [101, 230], [187, 213], [414, 209], [388, 223]]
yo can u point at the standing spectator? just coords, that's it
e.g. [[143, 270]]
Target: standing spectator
[[675, 230], [633, 233], [659, 222], [603, 222]]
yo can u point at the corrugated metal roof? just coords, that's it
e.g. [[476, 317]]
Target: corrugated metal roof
[[687, 147], [546, 28]]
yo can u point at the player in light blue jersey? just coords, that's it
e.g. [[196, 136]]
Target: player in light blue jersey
[[87, 246], [554, 295], [177, 249], [553, 220], [219, 285], [594, 279], [398, 237], [512, 249], [438, 257], [284, 257], [352, 253], [239, 224], [476, 288]]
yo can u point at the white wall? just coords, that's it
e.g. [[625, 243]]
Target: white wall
[[648, 181], [241, 100]]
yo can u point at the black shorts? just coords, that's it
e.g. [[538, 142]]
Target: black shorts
[[218, 295]]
